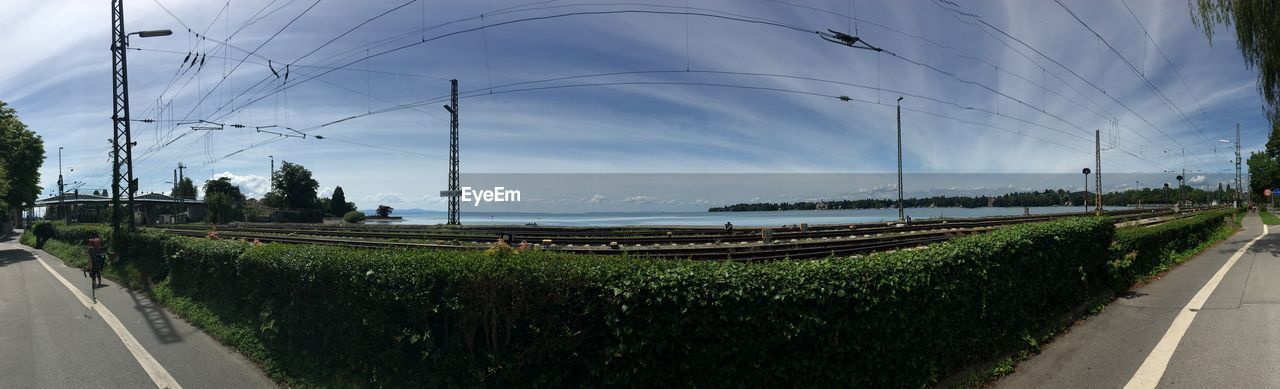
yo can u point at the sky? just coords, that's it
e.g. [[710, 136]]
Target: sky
[[695, 86]]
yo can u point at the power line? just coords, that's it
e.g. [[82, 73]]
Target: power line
[[1135, 71]]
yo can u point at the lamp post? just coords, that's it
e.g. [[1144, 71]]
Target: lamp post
[[122, 139], [1086, 172]]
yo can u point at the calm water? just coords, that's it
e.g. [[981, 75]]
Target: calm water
[[769, 218]]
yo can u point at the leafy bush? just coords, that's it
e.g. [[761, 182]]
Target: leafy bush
[[353, 217], [331, 316], [1143, 251]]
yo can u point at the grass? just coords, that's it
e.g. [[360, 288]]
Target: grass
[[1268, 218]]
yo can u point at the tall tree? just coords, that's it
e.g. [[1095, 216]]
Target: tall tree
[[224, 201], [338, 204], [185, 189], [21, 155], [1264, 172], [294, 188], [1257, 36]]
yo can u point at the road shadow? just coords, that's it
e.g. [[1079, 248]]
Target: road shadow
[[159, 323], [12, 256], [1132, 294]]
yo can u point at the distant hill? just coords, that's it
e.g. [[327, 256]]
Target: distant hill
[[406, 212]]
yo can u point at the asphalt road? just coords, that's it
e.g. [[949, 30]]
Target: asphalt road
[[50, 339], [1232, 340]]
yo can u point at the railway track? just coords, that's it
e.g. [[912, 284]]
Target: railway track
[[692, 243]]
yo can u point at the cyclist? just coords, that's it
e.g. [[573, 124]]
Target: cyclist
[[96, 259]]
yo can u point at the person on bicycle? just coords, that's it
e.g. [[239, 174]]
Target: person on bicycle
[[96, 259]]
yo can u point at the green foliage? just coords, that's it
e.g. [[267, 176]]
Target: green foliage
[[329, 316], [338, 205], [1143, 251], [21, 155], [293, 188], [222, 209], [185, 189], [1257, 36], [1264, 173], [223, 185], [353, 217], [384, 210]]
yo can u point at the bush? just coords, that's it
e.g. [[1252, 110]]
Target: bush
[[1142, 251], [353, 217], [331, 316]]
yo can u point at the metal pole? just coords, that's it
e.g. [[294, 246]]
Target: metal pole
[[1239, 190], [120, 118], [1085, 195], [901, 212], [272, 179], [62, 190], [1097, 175], [454, 188]]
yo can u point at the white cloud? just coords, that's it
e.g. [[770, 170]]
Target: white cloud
[[597, 199], [1199, 178], [253, 186], [639, 200], [384, 198]]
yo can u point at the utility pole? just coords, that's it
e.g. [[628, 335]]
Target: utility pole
[[174, 191], [901, 212], [1097, 144], [122, 139], [455, 192], [62, 190], [1239, 190], [272, 179]]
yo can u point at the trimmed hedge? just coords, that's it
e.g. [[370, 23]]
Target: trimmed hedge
[[1143, 251], [328, 316]]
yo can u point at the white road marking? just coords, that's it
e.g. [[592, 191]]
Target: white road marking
[[1152, 369], [158, 374]]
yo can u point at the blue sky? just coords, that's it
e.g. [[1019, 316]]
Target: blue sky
[[947, 62]]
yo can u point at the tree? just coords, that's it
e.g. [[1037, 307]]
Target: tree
[[338, 205], [384, 211], [223, 185], [1264, 172], [21, 155], [223, 200], [220, 207], [185, 189], [293, 188], [1257, 36]]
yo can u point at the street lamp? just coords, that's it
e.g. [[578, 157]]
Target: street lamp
[[1086, 172]]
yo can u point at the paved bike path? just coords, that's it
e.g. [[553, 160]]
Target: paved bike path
[[1233, 340], [49, 339]]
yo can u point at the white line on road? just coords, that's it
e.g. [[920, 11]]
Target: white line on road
[[1152, 369], [158, 374]]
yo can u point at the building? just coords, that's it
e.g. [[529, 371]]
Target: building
[[149, 209]]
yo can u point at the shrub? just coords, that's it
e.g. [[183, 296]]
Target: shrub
[[353, 217], [1142, 251], [332, 316]]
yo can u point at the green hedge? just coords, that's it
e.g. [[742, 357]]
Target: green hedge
[[327, 316], [1143, 251]]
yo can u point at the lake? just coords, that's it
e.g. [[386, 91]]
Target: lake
[[745, 219]]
